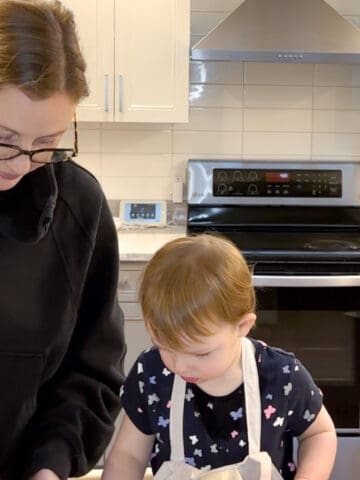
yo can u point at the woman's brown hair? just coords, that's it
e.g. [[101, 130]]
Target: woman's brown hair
[[39, 49], [191, 286]]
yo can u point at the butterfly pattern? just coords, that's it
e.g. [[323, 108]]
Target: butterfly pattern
[[235, 415], [269, 411], [290, 401], [308, 416], [163, 422], [189, 395]]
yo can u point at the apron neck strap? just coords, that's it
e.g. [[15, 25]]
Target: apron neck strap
[[252, 395], [252, 405], [177, 420]]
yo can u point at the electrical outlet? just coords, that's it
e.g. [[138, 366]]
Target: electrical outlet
[[177, 192]]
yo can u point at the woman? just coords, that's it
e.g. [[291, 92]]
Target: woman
[[61, 331]]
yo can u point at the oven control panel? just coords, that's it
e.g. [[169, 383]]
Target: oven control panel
[[258, 182]]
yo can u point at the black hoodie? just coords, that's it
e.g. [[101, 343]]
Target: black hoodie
[[61, 330]]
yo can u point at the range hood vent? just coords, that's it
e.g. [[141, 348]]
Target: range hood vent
[[296, 31]]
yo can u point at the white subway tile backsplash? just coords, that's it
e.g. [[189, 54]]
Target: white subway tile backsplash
[[208, 142], [337, 75], [132, 165], [337, 98], [145, 141], [213, 119], [277, 144], [261, 96], [89, 125], [226, 96], [89, 141], [137, 188], [336, 121], [271, 120], [136, 126], [216, 72], [278, 73], [336, 144]]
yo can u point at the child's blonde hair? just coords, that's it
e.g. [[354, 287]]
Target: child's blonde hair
[[193, 284]]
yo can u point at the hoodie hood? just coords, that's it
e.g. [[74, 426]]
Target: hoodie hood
[[27, 210], [296, 31]]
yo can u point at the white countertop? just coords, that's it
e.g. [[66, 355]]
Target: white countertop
[[139, 245]]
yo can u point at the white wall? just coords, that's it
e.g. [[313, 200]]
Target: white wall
[[237, 110]]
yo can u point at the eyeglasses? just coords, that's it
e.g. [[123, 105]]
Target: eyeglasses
[[42, 155]]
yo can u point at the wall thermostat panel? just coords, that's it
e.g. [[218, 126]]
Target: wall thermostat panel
[[143, 212]]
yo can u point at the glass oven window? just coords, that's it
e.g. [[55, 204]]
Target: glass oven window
[[321, 326]]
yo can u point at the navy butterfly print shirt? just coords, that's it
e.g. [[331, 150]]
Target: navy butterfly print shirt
[[290, 401]]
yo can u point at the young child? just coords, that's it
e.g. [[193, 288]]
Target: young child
[[198, 303]]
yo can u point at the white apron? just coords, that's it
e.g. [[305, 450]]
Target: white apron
[[256, 466]]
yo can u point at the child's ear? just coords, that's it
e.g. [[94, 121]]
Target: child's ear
[[246, 323]]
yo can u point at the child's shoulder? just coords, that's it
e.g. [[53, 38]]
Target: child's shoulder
[[150, 354], [149, 360], [274, 361], [148, 375], [270, 351]]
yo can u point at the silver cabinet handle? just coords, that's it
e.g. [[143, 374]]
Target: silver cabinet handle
[[121, 92], [306, 280], [106, 92]]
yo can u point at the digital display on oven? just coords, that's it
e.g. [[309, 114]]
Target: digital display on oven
[[277, 177], [276, 183]]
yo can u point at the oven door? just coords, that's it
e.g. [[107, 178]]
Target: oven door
[[318, 319]]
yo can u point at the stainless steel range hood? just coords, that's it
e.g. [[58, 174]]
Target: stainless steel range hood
[[282, 31]]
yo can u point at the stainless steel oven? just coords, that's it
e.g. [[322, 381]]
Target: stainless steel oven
[[298, 225]]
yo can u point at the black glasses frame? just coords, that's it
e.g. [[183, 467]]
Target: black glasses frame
[[59, 154]]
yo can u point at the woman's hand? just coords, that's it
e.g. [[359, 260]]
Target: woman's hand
[[44, 474]]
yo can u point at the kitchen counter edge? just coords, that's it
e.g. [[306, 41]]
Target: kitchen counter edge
[[140, 245]]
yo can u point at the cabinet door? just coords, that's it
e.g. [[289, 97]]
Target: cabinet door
[[152, 60], [137, 340], [95, 23]]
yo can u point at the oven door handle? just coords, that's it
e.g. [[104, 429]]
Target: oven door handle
[[306, 280]]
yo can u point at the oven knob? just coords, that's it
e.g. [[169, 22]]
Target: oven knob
[[252, 189], [238, 176], [221, 176], [253, 176], [222, 188]]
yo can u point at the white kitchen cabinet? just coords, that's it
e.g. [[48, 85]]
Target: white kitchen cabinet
[[95, 20], [136, 336], [137, 53]]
